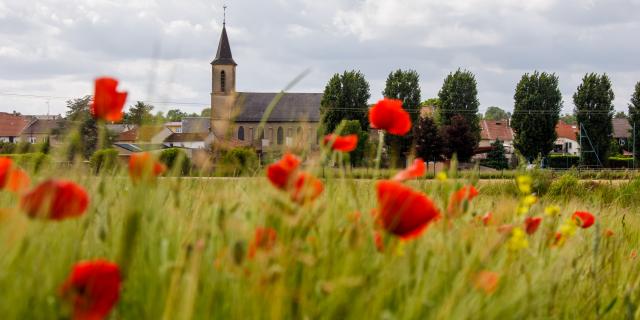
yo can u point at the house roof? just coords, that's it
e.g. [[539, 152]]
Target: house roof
[[136, 147], [496, 129], [223, 56], [621, 128], [12, 125], [196, 125], [144, 134], [292, 107], [187, 137], [567, 131], [40, 126]]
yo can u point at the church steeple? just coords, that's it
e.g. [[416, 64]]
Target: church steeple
[[223, 67], [223, 56]]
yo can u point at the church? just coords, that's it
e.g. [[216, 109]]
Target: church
[[236, 116]]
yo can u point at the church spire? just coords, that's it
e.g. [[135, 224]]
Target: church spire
[[223, 56]]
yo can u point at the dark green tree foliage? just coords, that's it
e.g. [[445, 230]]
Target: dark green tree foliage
[[634, 117], [459, 96], [495, 113], [176, 115], [538, 102], [569, 119], [356, 157], [594, 108], [496, 158], [85, 140], [139, 114], [404, 86], [345, 98], [205, 112], [458, 139], [428, 140]]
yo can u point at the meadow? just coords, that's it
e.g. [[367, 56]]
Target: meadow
[[186, 248]]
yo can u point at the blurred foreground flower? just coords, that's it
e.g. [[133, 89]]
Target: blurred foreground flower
[[306, 188], [389, 115], [143, 167], [416, 170], [346, 143], [552, 211], [12, 178], [566, 231], [55, 200], [282, 172], [487, 218], [403, 211], [487, 281], [584, 219], [107, 101], [518, 240], [285, 176], [93, 288], [263, 239], [460, 198], [524, 184], [532, 224]]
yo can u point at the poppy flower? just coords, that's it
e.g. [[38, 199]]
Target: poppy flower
[[93, 289], [55, 200], [282, 172], [378, 240], [459, 197], [531, 224], [264, 239], [346, 143], [416, 170], [107, 102], [487, 281], [402, 211], [584, 219], [389, 115], [143, 167], [12, 178], [486, 219], [306, 188], [609, 233]]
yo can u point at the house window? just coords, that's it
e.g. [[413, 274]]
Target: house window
[[280, 135], [33, 139], [251, 134], [223, 81], [241, 133]]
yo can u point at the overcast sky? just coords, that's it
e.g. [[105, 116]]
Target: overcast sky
[[161, 50]]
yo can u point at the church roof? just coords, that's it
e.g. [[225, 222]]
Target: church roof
[[223, 56], [292, 107]]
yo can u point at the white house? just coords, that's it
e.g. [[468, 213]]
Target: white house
[[567, 141]]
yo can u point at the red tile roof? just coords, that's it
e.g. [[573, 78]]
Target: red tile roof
[[567, 131], [12, 125], [496, 129], [621, 128]]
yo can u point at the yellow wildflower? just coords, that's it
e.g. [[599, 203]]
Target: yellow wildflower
[[441, 176], [524, 184], [552, 211], [518, 240], [530, 200]]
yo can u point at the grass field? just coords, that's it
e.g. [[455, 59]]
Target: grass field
[[184, 246]]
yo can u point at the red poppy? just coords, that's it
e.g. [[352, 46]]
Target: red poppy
[[346, 143], [6, 165], [281, 173], [55, 200], [93, 288], [107, 102], [389, 115], [143, 167], [416, 170], [378, 241], [402, 211], [609, 233], [306, 188], [264, 239], [459, 197], [12, 178], [486, 219], [532, 224], [487, 281], [584, 219]]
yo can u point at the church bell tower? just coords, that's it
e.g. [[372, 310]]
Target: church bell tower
[[223, 85]]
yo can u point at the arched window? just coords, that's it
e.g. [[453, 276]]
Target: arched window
[[251, 134], [241, 133], [280, 135], [223, 81]]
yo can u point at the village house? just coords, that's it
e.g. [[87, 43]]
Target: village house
[[622, 132], [492, 130], [12, 125], [40, 130], [567, 139]]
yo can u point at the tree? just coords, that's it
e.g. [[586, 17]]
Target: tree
[[356, 157], [634, 118], [139, 114], [538, 102], [569, 119], [428, 140], [459, 96], [175, 115], [495, 113], [84, 140], [458, 139], [496, 158], [594, 109], [404, 86], [620, 115], [205, 112], [345, 97]]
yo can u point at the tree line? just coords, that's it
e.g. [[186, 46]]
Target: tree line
[[450, 123]]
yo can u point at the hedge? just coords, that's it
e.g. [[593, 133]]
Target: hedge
[[563, 161], [176, 160], [621, 162], [106, 159]]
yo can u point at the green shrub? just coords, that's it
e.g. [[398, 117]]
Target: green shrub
[[34, 161], [176, 160], [106, 159], [620, 162], [565, 187], [563, 161], [238, 162]]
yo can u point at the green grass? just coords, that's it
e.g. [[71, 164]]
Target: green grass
[[188, 240]]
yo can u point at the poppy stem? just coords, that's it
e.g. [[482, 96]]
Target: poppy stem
[[102, 135], [379, 153]]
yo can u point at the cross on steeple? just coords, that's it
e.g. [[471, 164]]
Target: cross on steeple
[[224, 17]]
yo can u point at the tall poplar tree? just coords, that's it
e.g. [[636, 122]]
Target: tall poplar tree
[[634, 119], [346, 97]]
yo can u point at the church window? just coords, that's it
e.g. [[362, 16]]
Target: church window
[[299, 132], [223, 81], [251, 134], [280, 135], [241, 133]]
